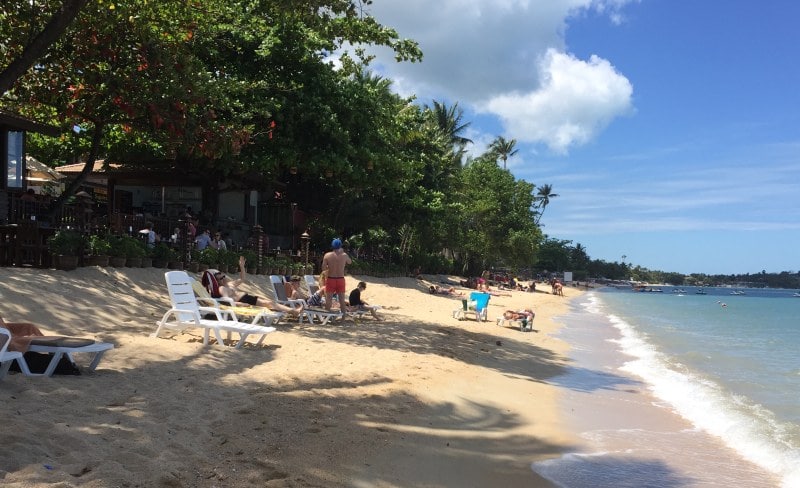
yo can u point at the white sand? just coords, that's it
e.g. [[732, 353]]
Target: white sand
[[420, 399]]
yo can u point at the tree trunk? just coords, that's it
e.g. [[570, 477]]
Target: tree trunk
[[97, 138]]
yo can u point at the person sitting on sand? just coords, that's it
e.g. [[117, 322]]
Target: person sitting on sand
[[219, 285], [438, 290], [356, 303]]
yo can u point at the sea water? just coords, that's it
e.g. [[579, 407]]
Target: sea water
[[682, 389]]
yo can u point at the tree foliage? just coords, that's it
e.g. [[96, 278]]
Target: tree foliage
[[269, 94]]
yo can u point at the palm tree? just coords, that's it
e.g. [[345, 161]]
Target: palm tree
[[503, 149], [449, 121], [543, 197]]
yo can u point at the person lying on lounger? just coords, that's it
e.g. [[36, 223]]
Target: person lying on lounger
[[485, 288], [519, 314], [223, 286], [438, 290]]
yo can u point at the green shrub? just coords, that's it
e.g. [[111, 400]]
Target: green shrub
[[209, 256], [250, 257], [163, 252], [229, 259], [66, 242], [123, 246], [99, 245]]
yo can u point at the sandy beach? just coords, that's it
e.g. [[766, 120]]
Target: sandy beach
[[420, 399]]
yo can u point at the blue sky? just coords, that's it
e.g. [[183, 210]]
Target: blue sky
[[670, 129]]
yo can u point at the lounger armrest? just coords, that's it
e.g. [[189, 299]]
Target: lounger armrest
[[216, 312], [178, 312]]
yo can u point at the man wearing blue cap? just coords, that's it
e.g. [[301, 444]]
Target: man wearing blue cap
[[334, 262]]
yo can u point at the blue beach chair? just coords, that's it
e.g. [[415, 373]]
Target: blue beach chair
[[478, 305]]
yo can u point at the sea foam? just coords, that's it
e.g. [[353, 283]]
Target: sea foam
[[742, 425]]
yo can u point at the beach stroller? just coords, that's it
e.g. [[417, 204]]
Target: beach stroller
[[478, 304]]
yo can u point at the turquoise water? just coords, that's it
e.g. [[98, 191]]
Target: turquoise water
[[726, 367]]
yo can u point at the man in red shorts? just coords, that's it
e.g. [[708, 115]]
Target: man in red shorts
[[334, 262]]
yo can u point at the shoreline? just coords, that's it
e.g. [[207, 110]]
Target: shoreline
[[419, 399], [629, 436]]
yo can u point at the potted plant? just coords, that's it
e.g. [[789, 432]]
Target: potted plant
[[194, 260], [162, 254], [117, 251], [251, 260], [99, 248], [209, 257], [66, 245], [283, 266], [265, 266], [135, 250], [228, 261]]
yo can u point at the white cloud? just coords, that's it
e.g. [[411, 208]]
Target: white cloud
[[507, 58], [577, 99]]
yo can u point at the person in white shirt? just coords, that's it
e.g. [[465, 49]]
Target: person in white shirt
[[218, 242], [152, 237]]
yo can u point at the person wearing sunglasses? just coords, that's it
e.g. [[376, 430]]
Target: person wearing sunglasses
[[218, 243]]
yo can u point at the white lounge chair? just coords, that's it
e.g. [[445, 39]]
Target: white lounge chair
[[229, 311], [186, 313], [57, 346], [523, 325], [311, 283], [7, 357], [278, 283]]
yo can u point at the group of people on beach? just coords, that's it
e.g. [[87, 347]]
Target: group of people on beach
[[331, 281]]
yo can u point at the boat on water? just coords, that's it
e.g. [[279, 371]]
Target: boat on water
[[645, 289], [701, 292], [738, 292], [796, 294], [679, 290]]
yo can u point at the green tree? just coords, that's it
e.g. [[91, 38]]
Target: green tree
[[202, 86], [497, 217], [17, 18]]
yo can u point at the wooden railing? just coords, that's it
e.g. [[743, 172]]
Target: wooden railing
[[24, 233]]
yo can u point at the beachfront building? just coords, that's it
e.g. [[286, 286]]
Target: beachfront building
[[13, 183], [162, 194]]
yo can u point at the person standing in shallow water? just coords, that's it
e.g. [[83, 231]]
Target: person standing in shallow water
[[334, 263]]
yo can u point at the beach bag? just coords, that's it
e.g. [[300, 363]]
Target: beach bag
[[37, 363]]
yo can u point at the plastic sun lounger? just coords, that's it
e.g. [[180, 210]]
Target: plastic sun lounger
[[524, 326], [58, 346], [186, 313], [230, 311], [7, 357], [279, 288], [478, 305]]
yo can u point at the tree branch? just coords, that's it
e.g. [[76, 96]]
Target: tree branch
[[39, 44]]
